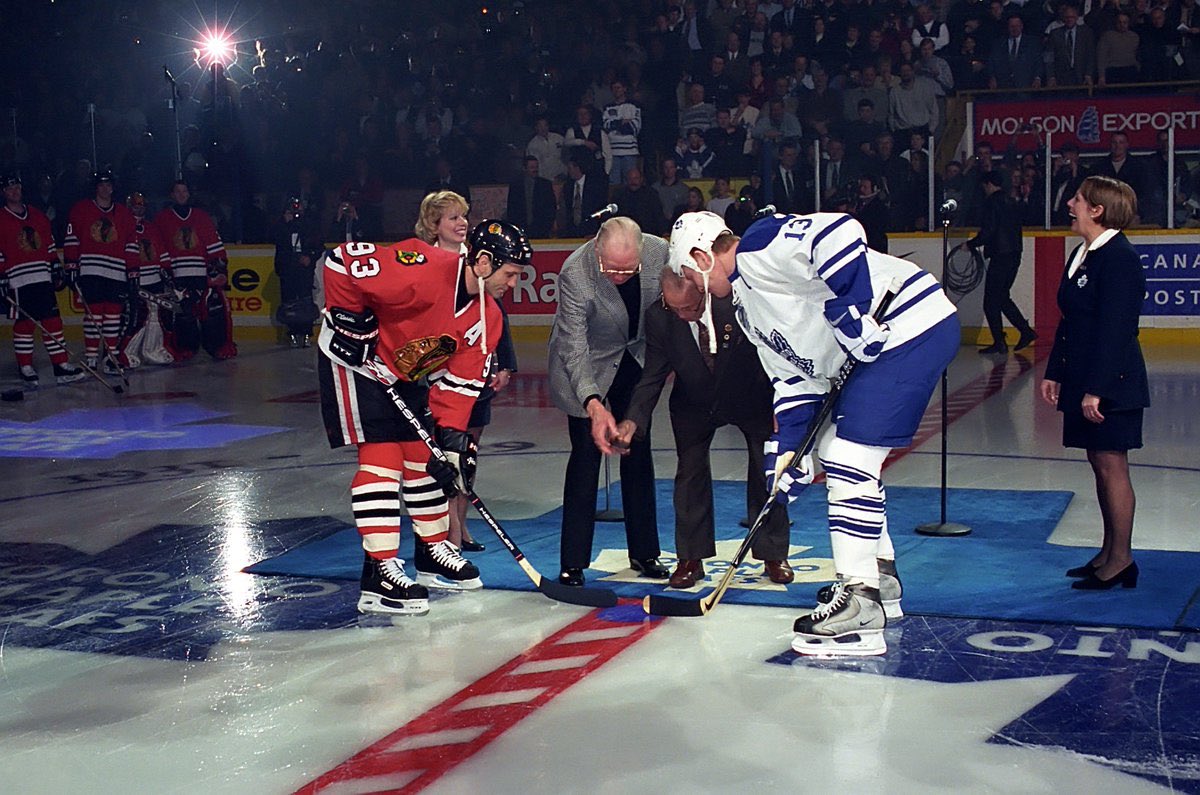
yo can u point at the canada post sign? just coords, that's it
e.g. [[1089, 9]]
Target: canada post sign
[[1172, 278], [1090, 123]]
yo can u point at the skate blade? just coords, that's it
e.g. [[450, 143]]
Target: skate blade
[[443, 584], [892, 609], [852, 644], [370, 603]]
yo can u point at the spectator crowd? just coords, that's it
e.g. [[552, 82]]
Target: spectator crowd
[[572, 105]]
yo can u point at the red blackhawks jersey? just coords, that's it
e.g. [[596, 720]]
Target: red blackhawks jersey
[[146, 254], [96, 238], [26, 247], [428, 325], [191, 241]]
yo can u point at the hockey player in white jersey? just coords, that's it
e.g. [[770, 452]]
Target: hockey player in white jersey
[[805, 287]]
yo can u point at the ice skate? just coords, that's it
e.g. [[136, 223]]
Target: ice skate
[[386, 588], [68, 373], [850, 624], [890, 590], [29, 376], [441, 565]]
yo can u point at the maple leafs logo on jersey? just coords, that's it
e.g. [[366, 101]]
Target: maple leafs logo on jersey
[[410, 258]]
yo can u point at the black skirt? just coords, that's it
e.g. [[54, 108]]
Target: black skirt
[[1120, 431]]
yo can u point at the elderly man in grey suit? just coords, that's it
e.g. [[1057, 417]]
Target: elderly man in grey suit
[[597, 349]]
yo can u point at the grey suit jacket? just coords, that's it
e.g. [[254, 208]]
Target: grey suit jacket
[[591, 326]]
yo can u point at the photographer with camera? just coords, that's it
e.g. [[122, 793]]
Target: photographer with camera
[[346, 226], [297, 248]]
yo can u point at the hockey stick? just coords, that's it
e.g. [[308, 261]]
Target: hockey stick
[[657, 605], [116, 388], [104, 349], [588, 597]]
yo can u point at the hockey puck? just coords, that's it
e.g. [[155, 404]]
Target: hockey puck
[[12, 395]]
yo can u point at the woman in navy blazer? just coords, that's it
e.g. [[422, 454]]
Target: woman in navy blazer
[[1096, 375]]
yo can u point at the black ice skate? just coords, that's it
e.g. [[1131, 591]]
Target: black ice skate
[[890, 590], [441, 565], [387, 589], [68, 373], [850, 624]]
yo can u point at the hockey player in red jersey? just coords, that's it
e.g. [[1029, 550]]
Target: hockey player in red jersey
[[199, 269], [28, 271], [146, 264], [431, 317], [97, 231]]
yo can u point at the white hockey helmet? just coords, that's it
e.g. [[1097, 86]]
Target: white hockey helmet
[[693, 230]]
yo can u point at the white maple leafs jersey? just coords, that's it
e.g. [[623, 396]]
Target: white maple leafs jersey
[[801, 285]]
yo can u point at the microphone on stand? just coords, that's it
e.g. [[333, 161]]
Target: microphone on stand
[[610, 209], [949, 207], [765, 211], [167, 74]]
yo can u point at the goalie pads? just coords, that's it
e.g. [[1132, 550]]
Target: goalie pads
[[354, 335]]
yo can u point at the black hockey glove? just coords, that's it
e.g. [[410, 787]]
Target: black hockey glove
[[354, 335], [58, 278], [71, 273], [458, 475]]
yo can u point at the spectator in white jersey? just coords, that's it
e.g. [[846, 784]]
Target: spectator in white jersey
[[805, 287]]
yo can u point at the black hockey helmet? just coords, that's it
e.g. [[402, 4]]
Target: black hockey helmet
[[9, 178], [504, 241], [103, 176]]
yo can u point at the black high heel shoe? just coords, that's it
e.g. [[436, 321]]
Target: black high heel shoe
[[1082, 571], [1126, 578], [472, 546]]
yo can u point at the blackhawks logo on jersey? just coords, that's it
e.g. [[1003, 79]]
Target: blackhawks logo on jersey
[[185, 239], [424, 355], [29, 239], [410, 258], [103, 231]]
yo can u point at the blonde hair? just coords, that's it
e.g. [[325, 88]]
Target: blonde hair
[[433, 208], [1116, 197]]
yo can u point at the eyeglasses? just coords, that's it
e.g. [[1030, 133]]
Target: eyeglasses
[[696, 309], [616, 271]]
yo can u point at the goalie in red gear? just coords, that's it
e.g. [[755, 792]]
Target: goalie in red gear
[[198, 271], [431, 318]]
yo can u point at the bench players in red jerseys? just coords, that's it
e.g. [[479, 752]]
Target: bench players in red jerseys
[[428, 319]]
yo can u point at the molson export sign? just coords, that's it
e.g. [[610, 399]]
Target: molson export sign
[[1089, 122]]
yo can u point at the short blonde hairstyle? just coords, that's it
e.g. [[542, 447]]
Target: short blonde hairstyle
[[433, 208], [1116, 197]]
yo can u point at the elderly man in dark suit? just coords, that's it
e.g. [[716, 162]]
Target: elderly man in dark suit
[[1016, 59], [1073, 49], [582, 195], [531, 201], [711, 390], [597, 349]]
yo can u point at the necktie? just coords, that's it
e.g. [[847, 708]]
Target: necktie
[[1012, 49], [787, 184], [1071, 38], [577, 208], [836, 173], [710, 361], [787, 18]]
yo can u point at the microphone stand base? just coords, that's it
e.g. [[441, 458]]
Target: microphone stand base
[[947, 529]]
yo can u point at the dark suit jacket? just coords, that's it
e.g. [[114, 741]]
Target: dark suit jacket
[[595, 196], [1018, 72], [542, 221], [1085, 56], [1096, 349], [999, 228], [801, 198], [738, 392]]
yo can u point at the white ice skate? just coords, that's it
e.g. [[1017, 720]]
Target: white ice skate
[[850, 624]]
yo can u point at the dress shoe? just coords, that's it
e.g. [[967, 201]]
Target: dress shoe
[[1085, 570], [778, 571], [1027, 338], [993, 349], [649, 567], [472, 546], [1126, 578], [571, 577], [687, 573]]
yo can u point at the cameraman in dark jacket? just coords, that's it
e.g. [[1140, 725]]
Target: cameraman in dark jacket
[[297, 248], [1000, 238]]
